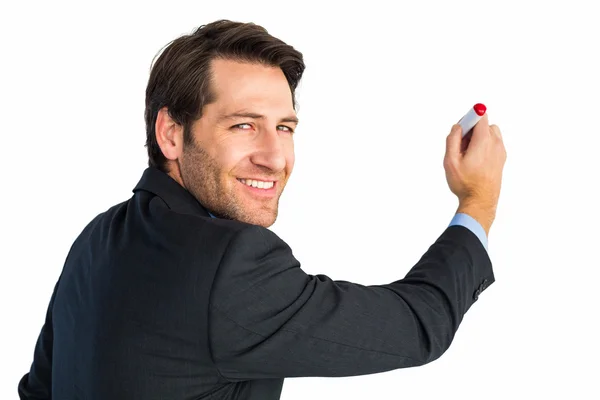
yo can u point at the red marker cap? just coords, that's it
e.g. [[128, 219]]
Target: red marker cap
[[479, 109]]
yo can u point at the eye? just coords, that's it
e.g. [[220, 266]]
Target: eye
[[285, 128], [242, 126]]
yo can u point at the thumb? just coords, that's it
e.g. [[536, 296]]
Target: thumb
[[453, 142]]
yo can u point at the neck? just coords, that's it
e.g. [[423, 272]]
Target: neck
[[174, 172]]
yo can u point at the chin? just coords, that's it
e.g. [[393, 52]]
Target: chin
[[264, 221], [264, 218]]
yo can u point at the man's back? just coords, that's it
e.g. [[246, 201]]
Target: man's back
[[129, 317]]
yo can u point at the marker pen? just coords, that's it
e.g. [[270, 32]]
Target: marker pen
[[471, 118]]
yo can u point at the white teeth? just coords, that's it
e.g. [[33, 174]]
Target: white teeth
[[257, 184]]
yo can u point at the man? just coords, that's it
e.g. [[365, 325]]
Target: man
[[181, 292]]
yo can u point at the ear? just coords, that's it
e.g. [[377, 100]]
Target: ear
[[169, 135]]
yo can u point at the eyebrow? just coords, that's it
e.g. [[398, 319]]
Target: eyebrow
[[250, 115]]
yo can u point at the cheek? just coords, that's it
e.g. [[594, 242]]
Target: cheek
[[228, 157], [290, 157]]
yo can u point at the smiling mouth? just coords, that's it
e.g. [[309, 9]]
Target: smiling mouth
[[257, 184]]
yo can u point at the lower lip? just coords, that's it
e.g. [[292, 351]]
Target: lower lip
[[261, 192]]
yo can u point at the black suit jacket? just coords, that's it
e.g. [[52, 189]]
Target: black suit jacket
[[157, 300]]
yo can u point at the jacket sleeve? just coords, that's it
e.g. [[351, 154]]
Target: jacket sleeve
[[269, 319], [37, 383]]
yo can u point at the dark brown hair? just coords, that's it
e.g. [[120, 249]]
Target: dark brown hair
[[180, 77]]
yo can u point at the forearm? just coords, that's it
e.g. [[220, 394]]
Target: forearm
[[441, 288]]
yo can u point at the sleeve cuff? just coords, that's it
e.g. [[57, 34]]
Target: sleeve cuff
[[471, 224]]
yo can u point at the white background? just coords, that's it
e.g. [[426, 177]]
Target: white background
[[383, 85]]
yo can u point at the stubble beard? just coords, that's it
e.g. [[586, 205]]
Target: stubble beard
[[202, 177]]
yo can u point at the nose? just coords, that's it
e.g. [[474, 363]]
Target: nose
[[269, 151]]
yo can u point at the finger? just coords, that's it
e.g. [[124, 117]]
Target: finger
[[495, 130], [464, 143], [453, 141]]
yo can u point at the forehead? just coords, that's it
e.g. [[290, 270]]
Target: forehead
[[250, 86]]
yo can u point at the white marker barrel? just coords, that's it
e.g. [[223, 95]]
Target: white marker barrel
[[471, 118]]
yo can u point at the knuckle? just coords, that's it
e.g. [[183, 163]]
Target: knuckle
[[447, 163], [450, 164]]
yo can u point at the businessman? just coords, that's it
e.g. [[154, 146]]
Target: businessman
[[181, 292]]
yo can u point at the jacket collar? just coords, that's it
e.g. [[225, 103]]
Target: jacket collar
[[170, 191]]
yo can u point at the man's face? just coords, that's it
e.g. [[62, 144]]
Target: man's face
[[242, 153]]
